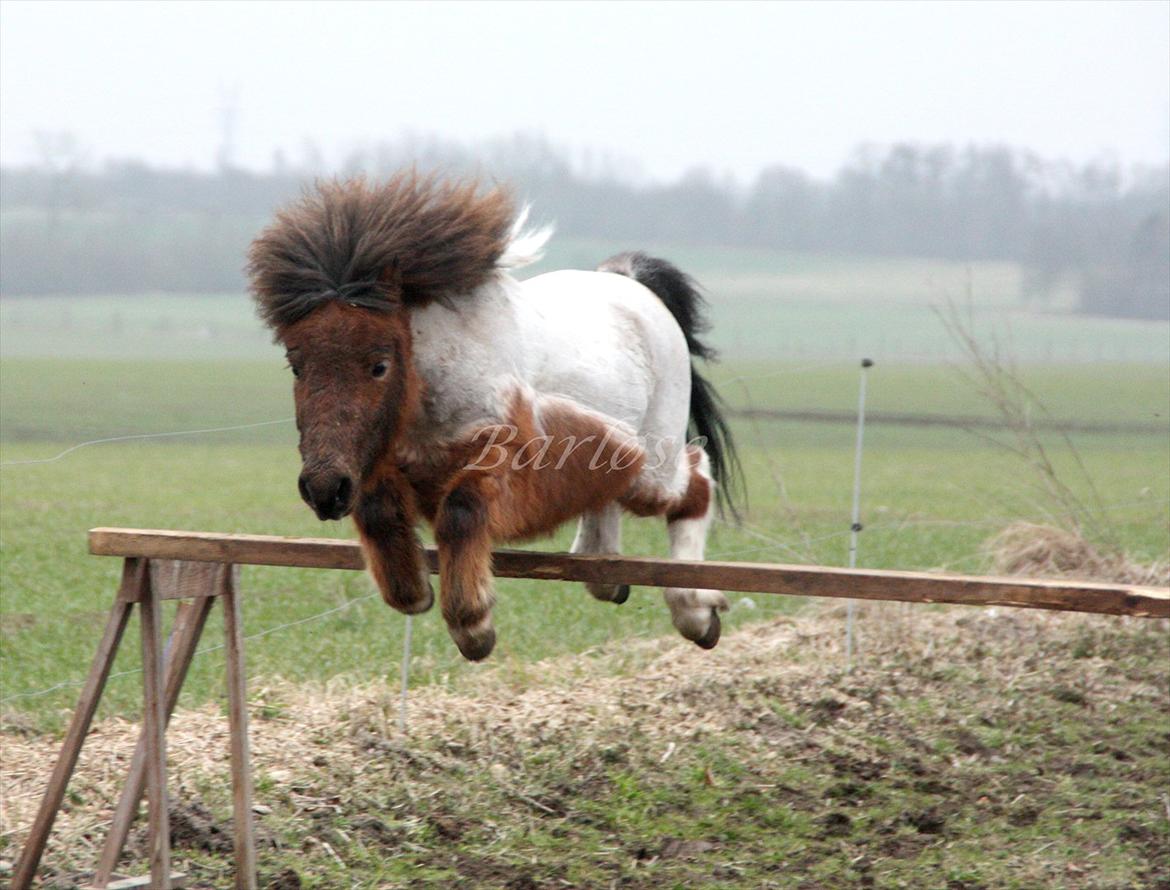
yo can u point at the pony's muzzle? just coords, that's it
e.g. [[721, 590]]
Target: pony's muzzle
[[329, 494]]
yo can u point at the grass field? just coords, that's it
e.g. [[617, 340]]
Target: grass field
[[931, 497], [103, 367]]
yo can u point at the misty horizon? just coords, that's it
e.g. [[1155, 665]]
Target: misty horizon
[[62, 153], [641, 93]]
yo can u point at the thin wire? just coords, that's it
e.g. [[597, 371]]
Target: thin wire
[[70, 450], [66, 684], [405, 674], [781, 373], [759, 534], [772, 542]]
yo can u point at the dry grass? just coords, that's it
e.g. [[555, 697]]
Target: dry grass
[[1043, 551], [496, 761]]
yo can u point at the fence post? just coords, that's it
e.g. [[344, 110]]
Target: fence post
[[855, 523]]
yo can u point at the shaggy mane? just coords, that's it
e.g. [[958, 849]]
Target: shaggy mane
[[408, 241]]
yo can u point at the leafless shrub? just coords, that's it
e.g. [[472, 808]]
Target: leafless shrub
[[993, 372], [1079, 540]]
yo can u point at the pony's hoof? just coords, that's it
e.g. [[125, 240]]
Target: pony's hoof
[[475, 646], [623, 594], [711, 637], [423, 605]]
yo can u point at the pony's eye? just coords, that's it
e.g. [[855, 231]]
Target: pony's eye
[[296, 371], [379, 370]]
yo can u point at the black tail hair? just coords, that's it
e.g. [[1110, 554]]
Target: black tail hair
[[681, 295]]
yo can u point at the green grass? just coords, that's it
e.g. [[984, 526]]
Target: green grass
[[931, 497], [55, 399]]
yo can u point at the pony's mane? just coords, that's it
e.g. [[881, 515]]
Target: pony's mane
[[408, 241]]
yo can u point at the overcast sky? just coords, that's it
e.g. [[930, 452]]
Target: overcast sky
[[732, 86]]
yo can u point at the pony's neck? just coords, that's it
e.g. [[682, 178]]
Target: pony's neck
[[461, 352]]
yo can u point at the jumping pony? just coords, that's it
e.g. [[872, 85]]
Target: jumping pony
[[432, 384]]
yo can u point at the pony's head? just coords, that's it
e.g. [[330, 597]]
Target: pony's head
[[354, 385], [335, 276]]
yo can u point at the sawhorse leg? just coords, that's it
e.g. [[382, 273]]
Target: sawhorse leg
[[132, 573]]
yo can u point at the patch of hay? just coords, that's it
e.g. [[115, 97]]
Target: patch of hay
[[667, 695], [1025, 548]]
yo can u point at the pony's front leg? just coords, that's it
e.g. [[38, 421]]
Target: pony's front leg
[[385, 518], [463, 537]]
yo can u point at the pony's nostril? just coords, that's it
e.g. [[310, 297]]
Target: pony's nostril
[[330, 496], [344, 490]]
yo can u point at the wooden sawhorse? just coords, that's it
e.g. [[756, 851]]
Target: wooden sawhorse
[[147, 582]]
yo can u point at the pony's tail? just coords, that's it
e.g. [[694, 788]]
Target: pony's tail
[[680, 293]]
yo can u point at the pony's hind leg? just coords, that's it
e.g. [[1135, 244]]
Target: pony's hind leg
[[687, 501], [600, 531], [695, 612]]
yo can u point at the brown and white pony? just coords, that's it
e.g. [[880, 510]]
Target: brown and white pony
[[432, 384]]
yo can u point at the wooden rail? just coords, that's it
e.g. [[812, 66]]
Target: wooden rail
[[790, 580]]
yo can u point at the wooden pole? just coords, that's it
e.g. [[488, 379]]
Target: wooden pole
[[245, 843], [154, 731], [133, 571], [790, 580]]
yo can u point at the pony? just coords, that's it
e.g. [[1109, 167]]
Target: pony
[[432, 384]]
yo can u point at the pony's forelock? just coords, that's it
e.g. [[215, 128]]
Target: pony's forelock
[[408, 241]]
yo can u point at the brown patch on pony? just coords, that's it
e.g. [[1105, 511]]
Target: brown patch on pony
[[696, 500], [568, 463], [408, 241], [510, 482], [551, 469], [692, 504]]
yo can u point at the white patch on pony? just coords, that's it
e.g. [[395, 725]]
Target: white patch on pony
[[524, 247], [600, 532], [691, 608]]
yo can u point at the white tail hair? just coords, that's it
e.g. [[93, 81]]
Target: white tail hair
[[525, 246]]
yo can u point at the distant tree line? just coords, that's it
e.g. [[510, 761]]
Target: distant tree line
[[1087, 229]]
